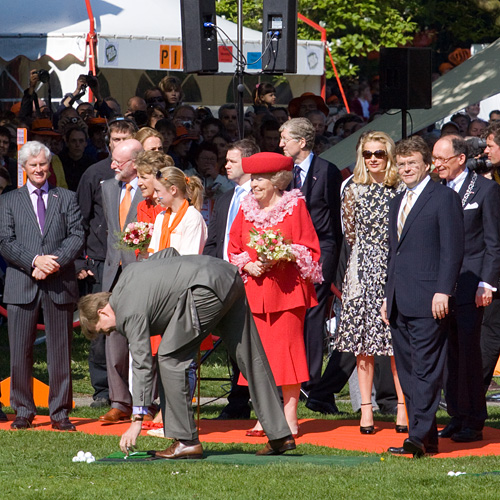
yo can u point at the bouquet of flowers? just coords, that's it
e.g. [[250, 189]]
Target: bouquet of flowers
[[270, 245], [136, 236]]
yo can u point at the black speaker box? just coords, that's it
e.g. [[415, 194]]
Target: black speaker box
[[405, 78], [199, 41], [279, 36]]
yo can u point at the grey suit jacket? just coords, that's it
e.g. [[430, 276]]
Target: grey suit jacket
[[111, 189], [21, 241], [154, 298]]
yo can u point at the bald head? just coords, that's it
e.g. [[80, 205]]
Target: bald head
[[124, 156], [450, 156]]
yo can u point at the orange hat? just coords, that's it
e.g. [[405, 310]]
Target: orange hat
[[43, 126], [265, 163], [96, 121], [294, 104], [183, 134]]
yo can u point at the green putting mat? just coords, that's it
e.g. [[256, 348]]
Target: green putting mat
[[229, 458]]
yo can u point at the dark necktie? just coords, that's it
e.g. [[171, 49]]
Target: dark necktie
[[40, 209], [297, 180]]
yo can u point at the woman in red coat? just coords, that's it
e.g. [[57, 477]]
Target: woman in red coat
[[279, 290]]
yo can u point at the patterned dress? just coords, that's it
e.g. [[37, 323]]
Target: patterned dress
[[365, 209]]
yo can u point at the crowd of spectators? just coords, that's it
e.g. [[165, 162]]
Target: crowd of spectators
[[83, 136]]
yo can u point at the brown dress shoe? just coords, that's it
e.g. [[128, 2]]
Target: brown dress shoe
[[114, 415], [278, 446], [63, 425], [178, 450], [21, 423]]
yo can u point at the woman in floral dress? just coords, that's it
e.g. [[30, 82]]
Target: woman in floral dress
[[365, 208]]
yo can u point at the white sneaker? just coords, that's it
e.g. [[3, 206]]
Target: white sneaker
[[159, 433]]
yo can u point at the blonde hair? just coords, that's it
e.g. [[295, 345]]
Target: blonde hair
[[145, 133], [361, 173], [190, 187], [149, 162]]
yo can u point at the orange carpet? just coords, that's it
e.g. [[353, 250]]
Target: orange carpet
[[341, 434]]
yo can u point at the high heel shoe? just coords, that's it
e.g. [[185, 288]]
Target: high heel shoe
[[297, 434], [368, 429], [401, 429], [255, 433]]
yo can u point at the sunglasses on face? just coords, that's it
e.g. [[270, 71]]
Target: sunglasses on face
[[380, 154]]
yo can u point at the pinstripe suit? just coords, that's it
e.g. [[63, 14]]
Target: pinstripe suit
[[20, 242], [117, 360]]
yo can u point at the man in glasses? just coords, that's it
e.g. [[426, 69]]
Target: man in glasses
[[465, 397], [320, 183], [120, 197], [426, 246], [90, 269]]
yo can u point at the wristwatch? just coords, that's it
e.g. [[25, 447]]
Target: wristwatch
[[137, 418]]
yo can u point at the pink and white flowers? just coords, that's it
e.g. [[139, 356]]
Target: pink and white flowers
[[136, 236]]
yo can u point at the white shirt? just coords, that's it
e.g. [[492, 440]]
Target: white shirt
[[188, 238], [246, 188], [304, 167]]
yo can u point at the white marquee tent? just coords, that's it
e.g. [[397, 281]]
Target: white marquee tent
[[131, 35]]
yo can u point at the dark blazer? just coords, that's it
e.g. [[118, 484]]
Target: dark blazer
[[427, 258], [21, 241], [322, 192], [482, 238], [89, 197], [217, 226], [111, 189]]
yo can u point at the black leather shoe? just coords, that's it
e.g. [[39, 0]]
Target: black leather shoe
[[3, 416], [398, 450], [467, 435], [63, 425], [401, 429], [414, 446], [431, 450], [21, 423], [449, 430], [243, 414], [277, 446], [323, 407]]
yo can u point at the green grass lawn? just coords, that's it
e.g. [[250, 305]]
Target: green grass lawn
[[36, 464]]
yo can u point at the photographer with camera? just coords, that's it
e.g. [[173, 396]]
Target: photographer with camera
[[83, 82], [30, 103]]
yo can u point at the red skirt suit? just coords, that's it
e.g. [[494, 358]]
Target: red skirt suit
[[280, 297]]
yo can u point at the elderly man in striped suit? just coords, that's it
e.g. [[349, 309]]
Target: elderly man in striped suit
[[40, 237]]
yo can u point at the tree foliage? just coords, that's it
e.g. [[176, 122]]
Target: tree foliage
[[354, 27]]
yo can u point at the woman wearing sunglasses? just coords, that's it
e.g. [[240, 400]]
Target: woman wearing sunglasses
[[365, 208]]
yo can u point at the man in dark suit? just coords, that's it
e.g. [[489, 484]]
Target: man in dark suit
[[184, 299], [478, 279], [90, 268], [40, 237], [224, 213], [320, 182], [120, 198], [426, 246]]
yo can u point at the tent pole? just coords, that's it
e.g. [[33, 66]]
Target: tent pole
[[92, 44]]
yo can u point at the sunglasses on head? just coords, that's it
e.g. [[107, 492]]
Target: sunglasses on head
[[379, 154]]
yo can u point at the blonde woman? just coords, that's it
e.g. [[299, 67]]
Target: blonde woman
[[365, 208], [181, 224]]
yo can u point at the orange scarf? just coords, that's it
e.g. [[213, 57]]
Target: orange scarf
[[166, 231]]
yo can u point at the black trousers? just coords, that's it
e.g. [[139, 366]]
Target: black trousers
[[420, 354], [465, 396], [490, 340]]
